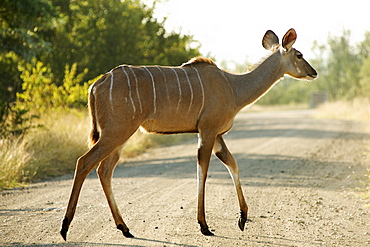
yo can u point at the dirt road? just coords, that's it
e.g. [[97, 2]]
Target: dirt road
[[299, 175]]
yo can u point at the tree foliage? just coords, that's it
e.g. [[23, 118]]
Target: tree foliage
[[26, 28], [101, 34], [50, 49], [340, 71], [39, 94]]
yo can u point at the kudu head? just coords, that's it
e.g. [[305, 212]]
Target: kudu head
[[292, 60]]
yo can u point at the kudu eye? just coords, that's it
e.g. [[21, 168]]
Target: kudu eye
[[299, 56]]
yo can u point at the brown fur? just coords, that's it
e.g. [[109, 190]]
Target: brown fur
[[195, 97]]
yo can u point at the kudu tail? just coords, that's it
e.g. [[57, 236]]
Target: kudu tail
[[94, 134]]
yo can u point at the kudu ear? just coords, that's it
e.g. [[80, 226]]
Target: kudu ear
[[289, 39], [270, 40]]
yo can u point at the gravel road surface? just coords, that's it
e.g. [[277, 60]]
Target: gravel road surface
[[300, 176]]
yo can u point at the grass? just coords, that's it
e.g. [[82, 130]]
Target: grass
[[52, 150], [355, 110], [14, 158], [57, 146], [43, 152]]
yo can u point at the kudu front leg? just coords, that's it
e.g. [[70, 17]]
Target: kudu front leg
[[222, 152], [204, 155]]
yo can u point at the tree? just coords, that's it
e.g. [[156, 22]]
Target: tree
[[101, 34], [65, 43], [339, 64], [365, 78], [364, 49], [26, 26], [25, 30]]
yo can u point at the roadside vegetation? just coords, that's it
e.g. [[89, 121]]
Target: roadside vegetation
[[52, 50], [52, 149], [357, 109]]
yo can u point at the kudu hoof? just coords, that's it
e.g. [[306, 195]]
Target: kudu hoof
[[242, 220], [128, 235], [64, 229], [64, 234], [125, 232], [205, 230]]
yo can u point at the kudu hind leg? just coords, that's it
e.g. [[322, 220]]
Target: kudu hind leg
[[83, 167], [222, 152], [105, 172]]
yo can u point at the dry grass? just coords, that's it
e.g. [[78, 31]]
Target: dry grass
[[56, 147], [355, 110], [53, 150], [43, 152], [14, 158]]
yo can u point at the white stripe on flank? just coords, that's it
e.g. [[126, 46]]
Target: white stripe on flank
[[201, 85], [223, 73], [111, 89], [154, 93], [191, 89], [129, 89], [137, 90], [179, 86], [165, 81]]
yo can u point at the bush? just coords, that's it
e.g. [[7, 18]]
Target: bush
[[14, 120], [41, 95]]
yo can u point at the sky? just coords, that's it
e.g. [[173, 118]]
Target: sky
[[232, 30]]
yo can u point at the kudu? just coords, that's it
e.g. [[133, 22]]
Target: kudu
[[196, 97]]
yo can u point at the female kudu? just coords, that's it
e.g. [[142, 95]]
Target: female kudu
[[197, 97]]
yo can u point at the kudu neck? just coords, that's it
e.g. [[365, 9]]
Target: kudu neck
[[249, 87]]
